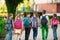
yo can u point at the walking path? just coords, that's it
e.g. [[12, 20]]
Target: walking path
[[39, 37]]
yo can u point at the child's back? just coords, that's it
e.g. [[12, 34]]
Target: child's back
[[8, 26]]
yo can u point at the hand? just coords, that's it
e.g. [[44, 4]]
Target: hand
[[49, 26]]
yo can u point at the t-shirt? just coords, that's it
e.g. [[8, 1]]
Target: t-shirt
[[46, 17]]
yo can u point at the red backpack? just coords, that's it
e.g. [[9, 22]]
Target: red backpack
[[18, 24]]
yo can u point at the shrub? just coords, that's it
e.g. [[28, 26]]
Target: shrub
[[2, 23]]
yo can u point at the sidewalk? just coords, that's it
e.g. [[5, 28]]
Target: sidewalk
[[39, 37]]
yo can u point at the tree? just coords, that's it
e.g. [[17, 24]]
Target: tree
[[11, 6]]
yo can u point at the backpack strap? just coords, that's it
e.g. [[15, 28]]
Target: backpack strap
[[43, 16]]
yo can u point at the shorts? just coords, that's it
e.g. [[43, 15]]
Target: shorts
[[18, 31]]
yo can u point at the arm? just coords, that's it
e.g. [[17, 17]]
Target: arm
[[13, 24], [48, 21], [40, 21], [23, 24]]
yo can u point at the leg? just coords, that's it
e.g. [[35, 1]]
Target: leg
[[27, 33], [20, 34], [10, 36], [6, 37], [54, 33], [35, 32], [19, 37], [46, 32], [42, 33]]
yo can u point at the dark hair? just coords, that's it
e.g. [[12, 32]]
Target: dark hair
[[9, 15], [44, 11], [25, 14], [55, 15]]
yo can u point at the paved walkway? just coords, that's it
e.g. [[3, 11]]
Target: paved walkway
[[39, 37]]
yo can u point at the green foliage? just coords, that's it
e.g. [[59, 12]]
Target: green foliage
[[50, 17], [59, 18], [2, 23]]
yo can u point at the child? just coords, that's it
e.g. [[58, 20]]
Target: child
[[34, 21], [44, 23], [8, 27], [18, 26], [54, 26], [27, 25]]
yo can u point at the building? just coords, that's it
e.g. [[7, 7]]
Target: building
[[51, 6]]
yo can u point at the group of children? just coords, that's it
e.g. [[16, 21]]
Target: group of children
[[27, 23]]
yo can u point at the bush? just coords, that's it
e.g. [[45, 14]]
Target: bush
[[59, 18], [50, 17], [2, 23]]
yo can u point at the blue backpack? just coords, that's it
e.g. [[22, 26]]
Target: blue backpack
[[44, 21], [34, 22], [27, 22], [8, 25]]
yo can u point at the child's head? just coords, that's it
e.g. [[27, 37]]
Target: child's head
[[35, 13], [10, 15], [44, 12], [17, 16], [55, 15], [28, 14]]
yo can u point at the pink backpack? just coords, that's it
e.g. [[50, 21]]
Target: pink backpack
[[18, 24], [54, 21]]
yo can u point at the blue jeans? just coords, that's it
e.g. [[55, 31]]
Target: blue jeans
[[9, 36], [35, 32], [54, 32]]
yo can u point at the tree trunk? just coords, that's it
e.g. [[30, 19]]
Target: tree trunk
[[11, 6]]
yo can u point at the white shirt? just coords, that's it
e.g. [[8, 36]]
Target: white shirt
[[46, 17]]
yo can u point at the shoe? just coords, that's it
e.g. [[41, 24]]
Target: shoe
[[56, 38], [46, 39], [19, 38], [34, 39]]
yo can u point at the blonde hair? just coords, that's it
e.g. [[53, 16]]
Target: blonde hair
[[18, 16]]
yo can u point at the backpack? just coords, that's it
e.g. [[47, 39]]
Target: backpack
[[27, 22], [8, 25], [54, 21], [44, 21], [18, 24], [34, 22]]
